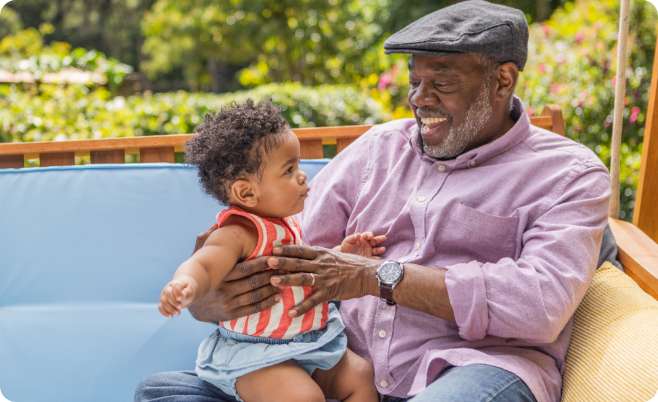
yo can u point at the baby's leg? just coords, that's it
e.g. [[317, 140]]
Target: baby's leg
[[352, 379], [283, 382]]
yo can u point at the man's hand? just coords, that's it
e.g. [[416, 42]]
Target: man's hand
[[245, 290], [338, 276], [363, 244]]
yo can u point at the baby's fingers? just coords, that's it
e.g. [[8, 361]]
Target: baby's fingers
[[377, 240], [166, 308], [169, 295], [179, 289], [378, 250]]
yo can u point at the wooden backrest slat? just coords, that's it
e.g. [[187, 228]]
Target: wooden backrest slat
[[161, 148]]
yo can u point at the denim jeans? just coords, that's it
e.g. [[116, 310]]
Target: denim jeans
[[474, 383]]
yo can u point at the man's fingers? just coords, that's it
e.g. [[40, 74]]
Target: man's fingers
[[303, 252], [257, 296], [306, 305], [299, 279], [247, 268], [258, 307]]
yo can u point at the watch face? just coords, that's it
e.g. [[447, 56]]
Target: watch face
[[389, 272]]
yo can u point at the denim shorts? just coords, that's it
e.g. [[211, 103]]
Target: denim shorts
[[226, 355]]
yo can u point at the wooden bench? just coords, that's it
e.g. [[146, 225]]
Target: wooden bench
[[162, 148]]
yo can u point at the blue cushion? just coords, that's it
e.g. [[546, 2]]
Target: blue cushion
[[85, 252]]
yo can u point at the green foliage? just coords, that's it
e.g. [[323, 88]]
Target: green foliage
[[309, 41], [25, 51], [74, 112], [573, 64], [10, 22], [108, 26]]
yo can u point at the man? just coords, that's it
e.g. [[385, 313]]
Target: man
[[493, 228]]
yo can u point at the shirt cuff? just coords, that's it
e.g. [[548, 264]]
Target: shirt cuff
[[468, 297]]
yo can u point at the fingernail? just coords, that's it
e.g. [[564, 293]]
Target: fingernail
[[277, 297], [292, 313], [276, 250], [276, 280], [273, 261]]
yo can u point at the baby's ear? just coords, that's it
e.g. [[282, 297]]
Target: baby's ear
[[243, 194]]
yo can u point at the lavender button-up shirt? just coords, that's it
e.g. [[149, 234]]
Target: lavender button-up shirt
[[517, 223]]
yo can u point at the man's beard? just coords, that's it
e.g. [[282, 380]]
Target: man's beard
[[477, 116]]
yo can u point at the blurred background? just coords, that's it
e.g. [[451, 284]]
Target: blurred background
[[76, 69]]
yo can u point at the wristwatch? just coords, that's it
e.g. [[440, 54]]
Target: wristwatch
[[389, 274]]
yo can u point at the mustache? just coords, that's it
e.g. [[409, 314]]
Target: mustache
[[434, 113]]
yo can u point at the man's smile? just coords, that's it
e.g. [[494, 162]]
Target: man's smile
[[430, 125]]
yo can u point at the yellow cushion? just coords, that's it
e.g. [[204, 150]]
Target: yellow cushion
[[613, 355]]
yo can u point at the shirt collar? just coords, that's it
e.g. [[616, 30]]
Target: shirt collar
[[479, 155]]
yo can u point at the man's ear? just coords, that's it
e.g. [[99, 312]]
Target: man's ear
[[243, 193], [507, 76]]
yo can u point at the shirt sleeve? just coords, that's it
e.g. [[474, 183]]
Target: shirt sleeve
[[333, 195], [534, 297]]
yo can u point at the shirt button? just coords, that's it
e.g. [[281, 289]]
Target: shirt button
[[473, 162], [421, 199], [442, 168], [417, 246], [384, 384], [382, 334]]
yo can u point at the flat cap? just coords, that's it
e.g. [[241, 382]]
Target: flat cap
[[473, 26]]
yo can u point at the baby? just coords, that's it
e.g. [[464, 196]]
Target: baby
[[248, 158]]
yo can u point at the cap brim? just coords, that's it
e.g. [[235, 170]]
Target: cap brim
[[423, 52]]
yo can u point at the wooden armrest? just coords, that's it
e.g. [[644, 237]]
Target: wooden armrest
[[638, 254]]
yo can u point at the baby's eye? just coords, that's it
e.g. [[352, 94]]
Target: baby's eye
[[289, 171]]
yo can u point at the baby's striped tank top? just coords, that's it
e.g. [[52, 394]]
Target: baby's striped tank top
[[275, 322]]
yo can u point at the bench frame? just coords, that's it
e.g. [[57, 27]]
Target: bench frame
[[638, 251]]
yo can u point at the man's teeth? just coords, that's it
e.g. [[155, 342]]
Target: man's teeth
[[431, 120]]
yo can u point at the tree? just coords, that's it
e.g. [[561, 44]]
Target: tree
[[310, 41], [10, 22]]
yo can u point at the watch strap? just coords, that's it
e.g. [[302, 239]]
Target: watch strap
[[386, 294]]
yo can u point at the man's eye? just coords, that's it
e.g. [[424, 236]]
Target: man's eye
[[413, 84]]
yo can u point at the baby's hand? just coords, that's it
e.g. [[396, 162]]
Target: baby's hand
[[178, 294], [363, 244]]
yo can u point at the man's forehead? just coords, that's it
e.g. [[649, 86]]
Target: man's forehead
[[444, 65]]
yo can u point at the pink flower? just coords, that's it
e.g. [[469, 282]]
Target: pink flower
[[555, 87], [542, 67], [614, 80], [635, 110], [384, 80], [633, 118], [545, 29], [394, 69], [530, 111], [579, 37]]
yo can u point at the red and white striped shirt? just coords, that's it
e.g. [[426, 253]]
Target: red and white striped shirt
[[275, 321]]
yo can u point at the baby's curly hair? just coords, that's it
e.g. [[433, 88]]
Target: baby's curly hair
[[233, 143]]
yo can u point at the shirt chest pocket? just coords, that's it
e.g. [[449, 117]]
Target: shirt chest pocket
[[469, 234]]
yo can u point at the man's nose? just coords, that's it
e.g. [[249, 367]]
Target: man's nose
[[424, 96]]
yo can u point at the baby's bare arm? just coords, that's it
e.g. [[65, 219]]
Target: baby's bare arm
[[203, 271]]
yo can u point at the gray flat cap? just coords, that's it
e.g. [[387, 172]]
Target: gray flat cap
[[473, 26]]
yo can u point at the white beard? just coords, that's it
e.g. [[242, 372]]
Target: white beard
[[477, 116]]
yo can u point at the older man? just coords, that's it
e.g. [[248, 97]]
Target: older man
[[494, 228]]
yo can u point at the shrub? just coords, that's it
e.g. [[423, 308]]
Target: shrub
[[54, 112]]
